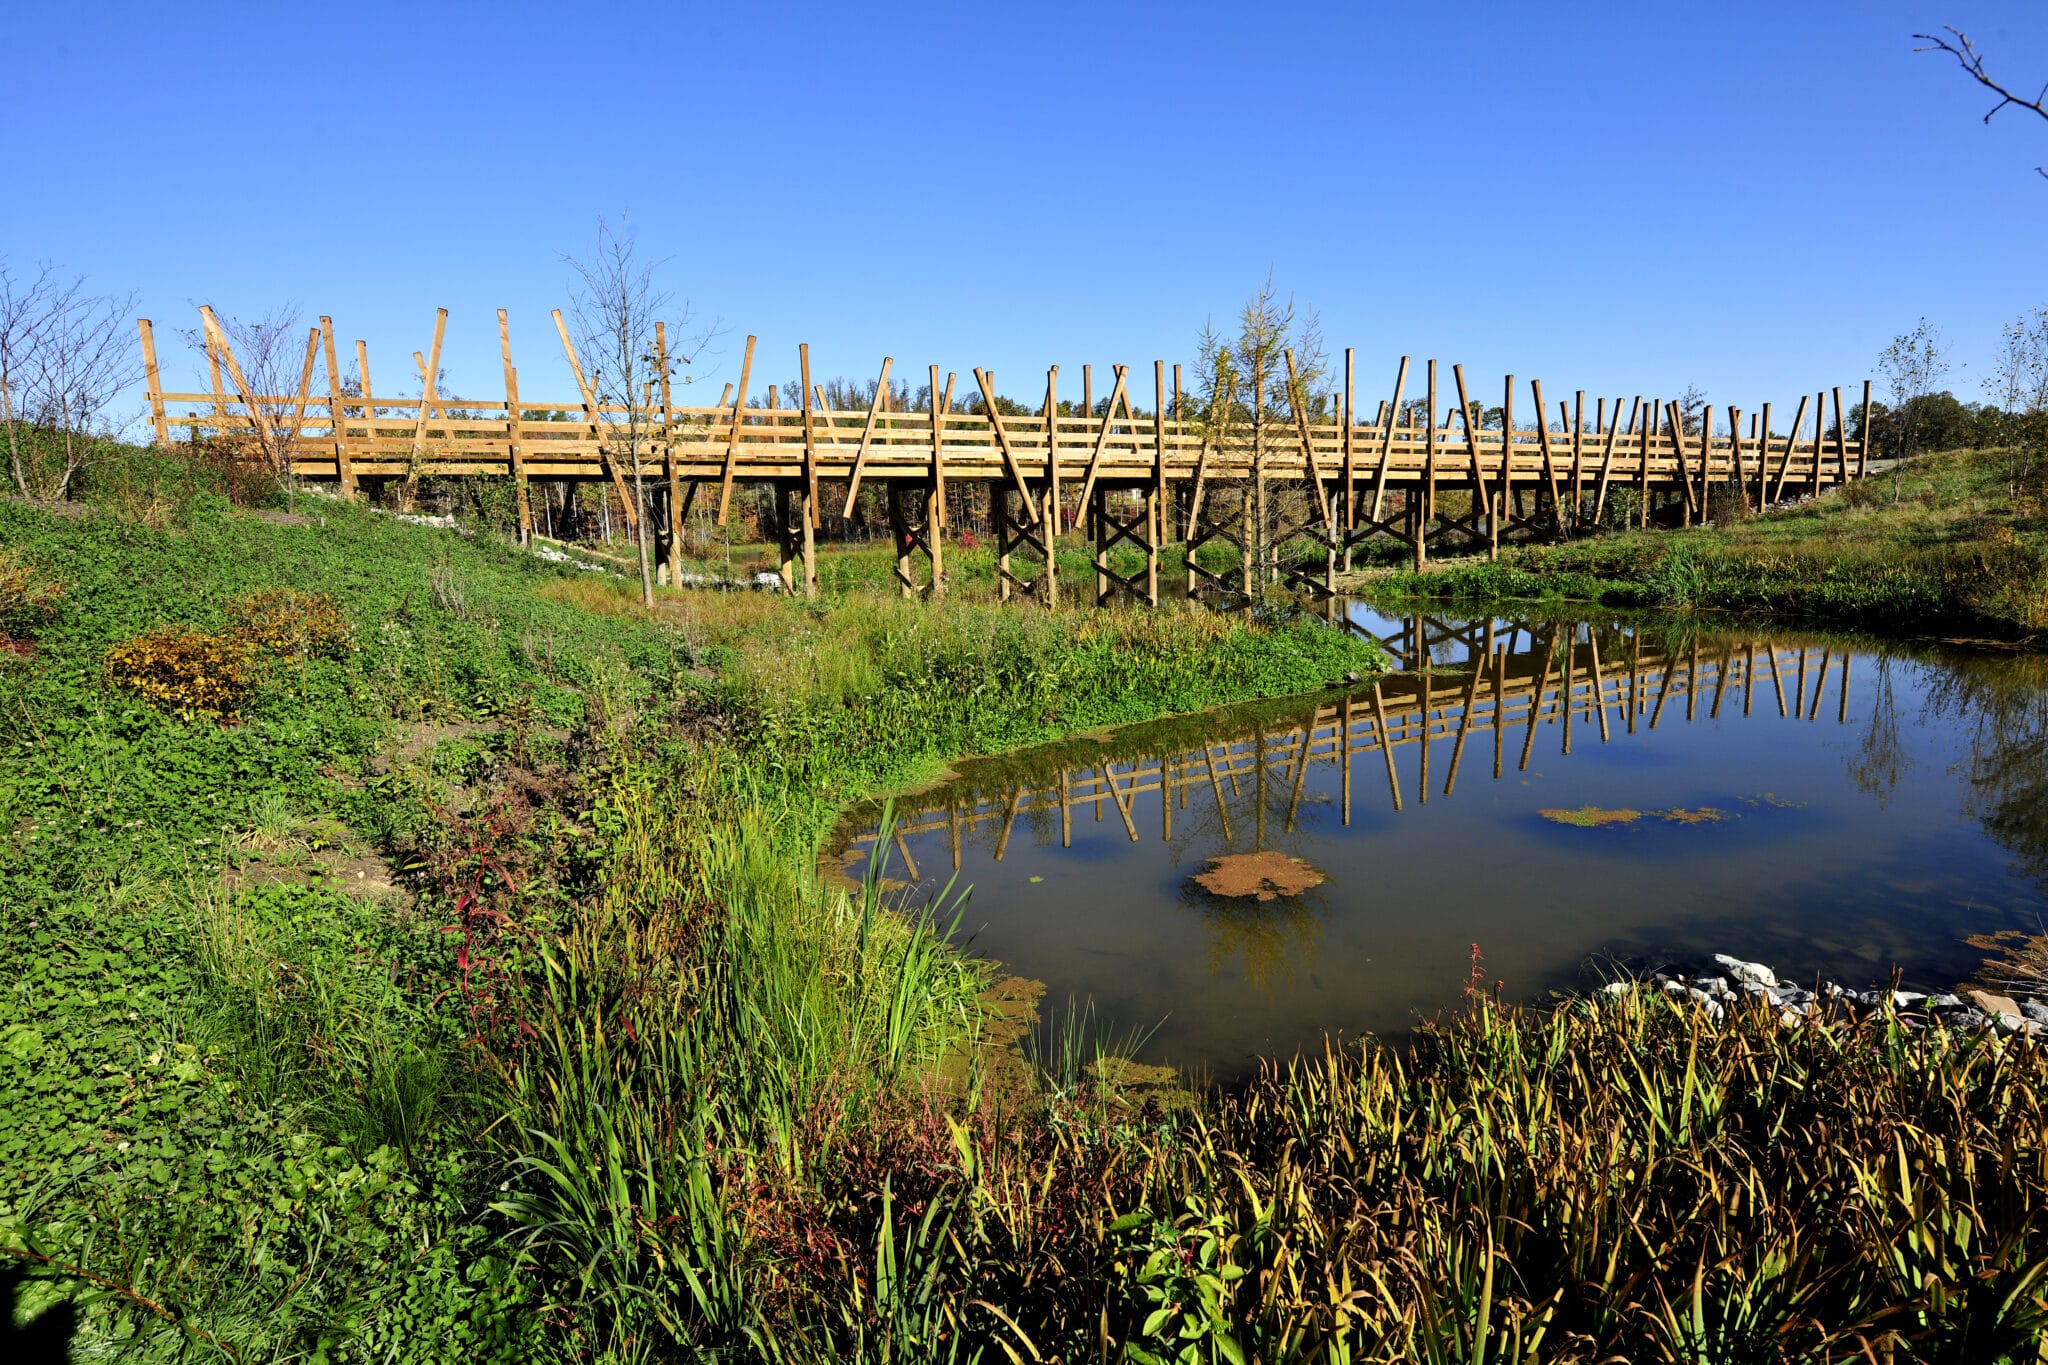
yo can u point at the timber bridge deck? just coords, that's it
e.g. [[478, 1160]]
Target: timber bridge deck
[[1138, 474]]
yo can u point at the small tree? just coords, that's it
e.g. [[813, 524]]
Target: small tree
[[66, 355], [275, 359], [2019, 391], [614, 305], [1245, 394], [1912, 365]]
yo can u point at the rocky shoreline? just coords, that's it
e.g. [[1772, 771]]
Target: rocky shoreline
[[1725, 982]]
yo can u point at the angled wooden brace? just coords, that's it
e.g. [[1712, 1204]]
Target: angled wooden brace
[[995, 421], [591, 416]]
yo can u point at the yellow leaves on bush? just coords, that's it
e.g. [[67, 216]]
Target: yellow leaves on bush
[[28, 599], [186, 671], [198, 674], [292, 625]]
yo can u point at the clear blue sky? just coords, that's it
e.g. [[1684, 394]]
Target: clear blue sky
[[1628, 198]]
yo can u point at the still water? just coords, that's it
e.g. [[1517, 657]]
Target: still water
[[1571, 795]]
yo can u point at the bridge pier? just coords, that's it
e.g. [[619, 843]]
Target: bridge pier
[[1142, 531], [925, 533], [794, 538], [1013, 534]]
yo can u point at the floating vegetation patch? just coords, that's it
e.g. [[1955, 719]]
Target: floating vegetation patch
[[1592, 817], [1773, 800], [1263, 876], [1705, 815]]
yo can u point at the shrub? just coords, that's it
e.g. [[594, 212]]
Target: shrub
[[292, 625], [28, 599], [186, 671]]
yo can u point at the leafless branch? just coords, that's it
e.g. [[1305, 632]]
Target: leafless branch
[[1972, 61]]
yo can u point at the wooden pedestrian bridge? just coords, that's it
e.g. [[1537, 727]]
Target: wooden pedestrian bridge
[[1426, 468], [1516, 680]]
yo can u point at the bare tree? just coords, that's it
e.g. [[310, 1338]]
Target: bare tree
[[1959, 46], [616, 310], [275, 359], [66, 355], [2019, 389], [1912, 366], [1246, 391]]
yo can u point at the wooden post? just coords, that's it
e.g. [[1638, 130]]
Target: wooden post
[[431, 373], [1501, 499], [1785, 460], [1428, 480], [935, 512], [1760, 437], [732, 439], [344, 470], [1643, 468], [1578, 424], [1820, 437], [1607, 459], [1158, 494], [369, 407], [1350, 467], [1481, 504], [512, 429], [803, 360], [1379, 483], [1549, 463], [668, 459], [867, 435], [158, 422], [1863, 454], [1735, 454], [1841, 440]]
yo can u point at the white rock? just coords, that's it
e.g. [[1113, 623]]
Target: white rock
[[2035, 1011], [1617, 988], [1746, 971], [1901, 999]]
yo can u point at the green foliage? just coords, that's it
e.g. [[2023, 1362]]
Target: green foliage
[[1944, 548]]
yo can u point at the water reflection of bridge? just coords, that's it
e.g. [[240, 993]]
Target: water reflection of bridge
[[1474, 686]]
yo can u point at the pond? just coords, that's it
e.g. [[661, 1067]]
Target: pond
[[1575, 797]]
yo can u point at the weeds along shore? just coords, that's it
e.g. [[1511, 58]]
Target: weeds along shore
[[1947, 544], [419, 956]]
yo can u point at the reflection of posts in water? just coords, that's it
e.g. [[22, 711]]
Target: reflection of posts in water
[[1499, 664], [1799, 708], [1379, 718], [1345, 725], [1259, 785], [909, 863], [1564, 693], [1536, 697], [1308, 734], [1344, 753], [1692, 681], [1222, 806], [1599, 681], [1422, 782], [1464, 727], [1009, 821], [1635, 677]]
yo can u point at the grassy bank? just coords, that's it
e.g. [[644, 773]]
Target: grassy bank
[[307, 823], [421, 958], [1944, 547]]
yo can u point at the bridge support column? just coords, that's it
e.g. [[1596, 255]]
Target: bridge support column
[[912, 536], [794, 538], [1111, 529], [1202, 529], [1012, 535]]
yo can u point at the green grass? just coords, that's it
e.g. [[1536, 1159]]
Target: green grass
[[614, 1076], [1942, 548], [253, 1111]]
